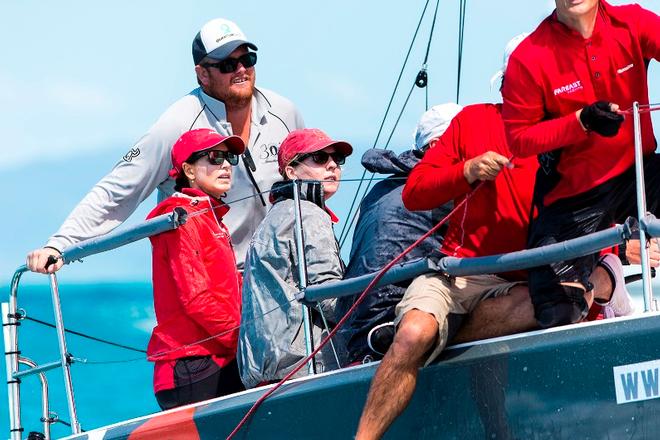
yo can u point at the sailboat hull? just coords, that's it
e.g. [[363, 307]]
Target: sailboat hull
[[553, 384]]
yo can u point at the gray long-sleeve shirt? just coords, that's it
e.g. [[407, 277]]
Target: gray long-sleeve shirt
[[145, 167]]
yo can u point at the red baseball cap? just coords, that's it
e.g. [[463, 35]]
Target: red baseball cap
[[307, 140], [200, 139]]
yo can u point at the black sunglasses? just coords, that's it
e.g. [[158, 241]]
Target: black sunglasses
[[321, 157], [215, 157], [229, 65]]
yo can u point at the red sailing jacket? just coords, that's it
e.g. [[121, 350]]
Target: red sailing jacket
[[197, 289], [496, 218], [555, 72]]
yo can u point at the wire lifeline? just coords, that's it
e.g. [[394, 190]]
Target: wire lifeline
[[84, 335], [357, 302], [203, 211], [387, 111], [163, 353], [108, 342]]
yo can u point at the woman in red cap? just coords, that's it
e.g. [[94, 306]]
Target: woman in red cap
[[274, 341], [196, 284]]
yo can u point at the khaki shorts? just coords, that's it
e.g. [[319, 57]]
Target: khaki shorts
[[439, 295]]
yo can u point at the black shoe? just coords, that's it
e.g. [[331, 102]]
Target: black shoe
[[381, 337]]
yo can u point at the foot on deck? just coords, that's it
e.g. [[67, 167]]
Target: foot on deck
[[621, 303], [381, 337]]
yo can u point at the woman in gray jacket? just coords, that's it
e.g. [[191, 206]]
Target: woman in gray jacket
[[272, 340]]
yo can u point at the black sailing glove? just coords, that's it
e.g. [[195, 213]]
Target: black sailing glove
[[600, 118]]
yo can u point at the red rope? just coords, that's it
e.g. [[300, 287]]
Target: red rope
[[341, 322], [646, 108]]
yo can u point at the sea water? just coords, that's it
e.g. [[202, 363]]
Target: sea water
[[107, 392]]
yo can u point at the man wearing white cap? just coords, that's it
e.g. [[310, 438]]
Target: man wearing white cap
[[473, 151], [228, 102], [384, 229]]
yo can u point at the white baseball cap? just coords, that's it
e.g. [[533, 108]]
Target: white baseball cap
[[508, 50], [434, 123], [217, 39]]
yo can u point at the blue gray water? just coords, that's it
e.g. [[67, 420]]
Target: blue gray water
[[105, 393]]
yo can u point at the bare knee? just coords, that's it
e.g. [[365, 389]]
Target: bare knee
[[415, 335]]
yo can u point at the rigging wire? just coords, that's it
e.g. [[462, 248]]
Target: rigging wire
[[421, 81], [461, 32], [387, 111], [426, 58], [351, 219], [357, 302]]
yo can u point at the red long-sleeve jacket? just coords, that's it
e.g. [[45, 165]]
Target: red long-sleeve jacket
[[196, 287], [496, 218], [555, 71]]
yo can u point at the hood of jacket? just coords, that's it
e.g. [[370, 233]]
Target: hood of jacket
[[381, 161]]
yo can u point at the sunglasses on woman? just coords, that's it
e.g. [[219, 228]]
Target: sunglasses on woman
[[229, 65], [322, 157], [215, 157]]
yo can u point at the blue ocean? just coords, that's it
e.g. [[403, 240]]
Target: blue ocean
[[115, 384]]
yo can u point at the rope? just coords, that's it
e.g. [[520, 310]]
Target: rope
[[644, 108], [86, 336], [461, 32], [357, 302], [387, 111]]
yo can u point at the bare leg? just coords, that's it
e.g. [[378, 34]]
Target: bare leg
[[514, 313], [504, 315], [394, 382], [602, 284]]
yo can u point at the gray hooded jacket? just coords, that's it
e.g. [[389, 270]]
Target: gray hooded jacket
[[272, 340]]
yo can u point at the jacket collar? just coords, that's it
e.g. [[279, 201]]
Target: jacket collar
[[310, 190], [219, 207]]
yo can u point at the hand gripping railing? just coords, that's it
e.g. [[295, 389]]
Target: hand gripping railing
[[12, 316]]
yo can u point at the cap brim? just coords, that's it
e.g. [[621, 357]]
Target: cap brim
[[225, 50], [234, 144], [342, 146]]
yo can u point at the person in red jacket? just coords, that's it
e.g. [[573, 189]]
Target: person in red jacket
[[566, 88], [197, 288]]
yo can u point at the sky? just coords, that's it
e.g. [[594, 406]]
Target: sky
[[81, 81]]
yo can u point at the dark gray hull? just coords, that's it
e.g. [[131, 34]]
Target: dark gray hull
[[556, 384]]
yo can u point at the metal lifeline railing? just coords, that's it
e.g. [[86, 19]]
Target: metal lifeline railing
[[11, 317], [640, 187], [302, 274]]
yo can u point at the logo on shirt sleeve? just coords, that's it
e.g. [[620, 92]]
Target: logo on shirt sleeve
[[135, 152], [569, 88]]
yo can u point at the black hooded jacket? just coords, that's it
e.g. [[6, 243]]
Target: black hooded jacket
[[384, 229]]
